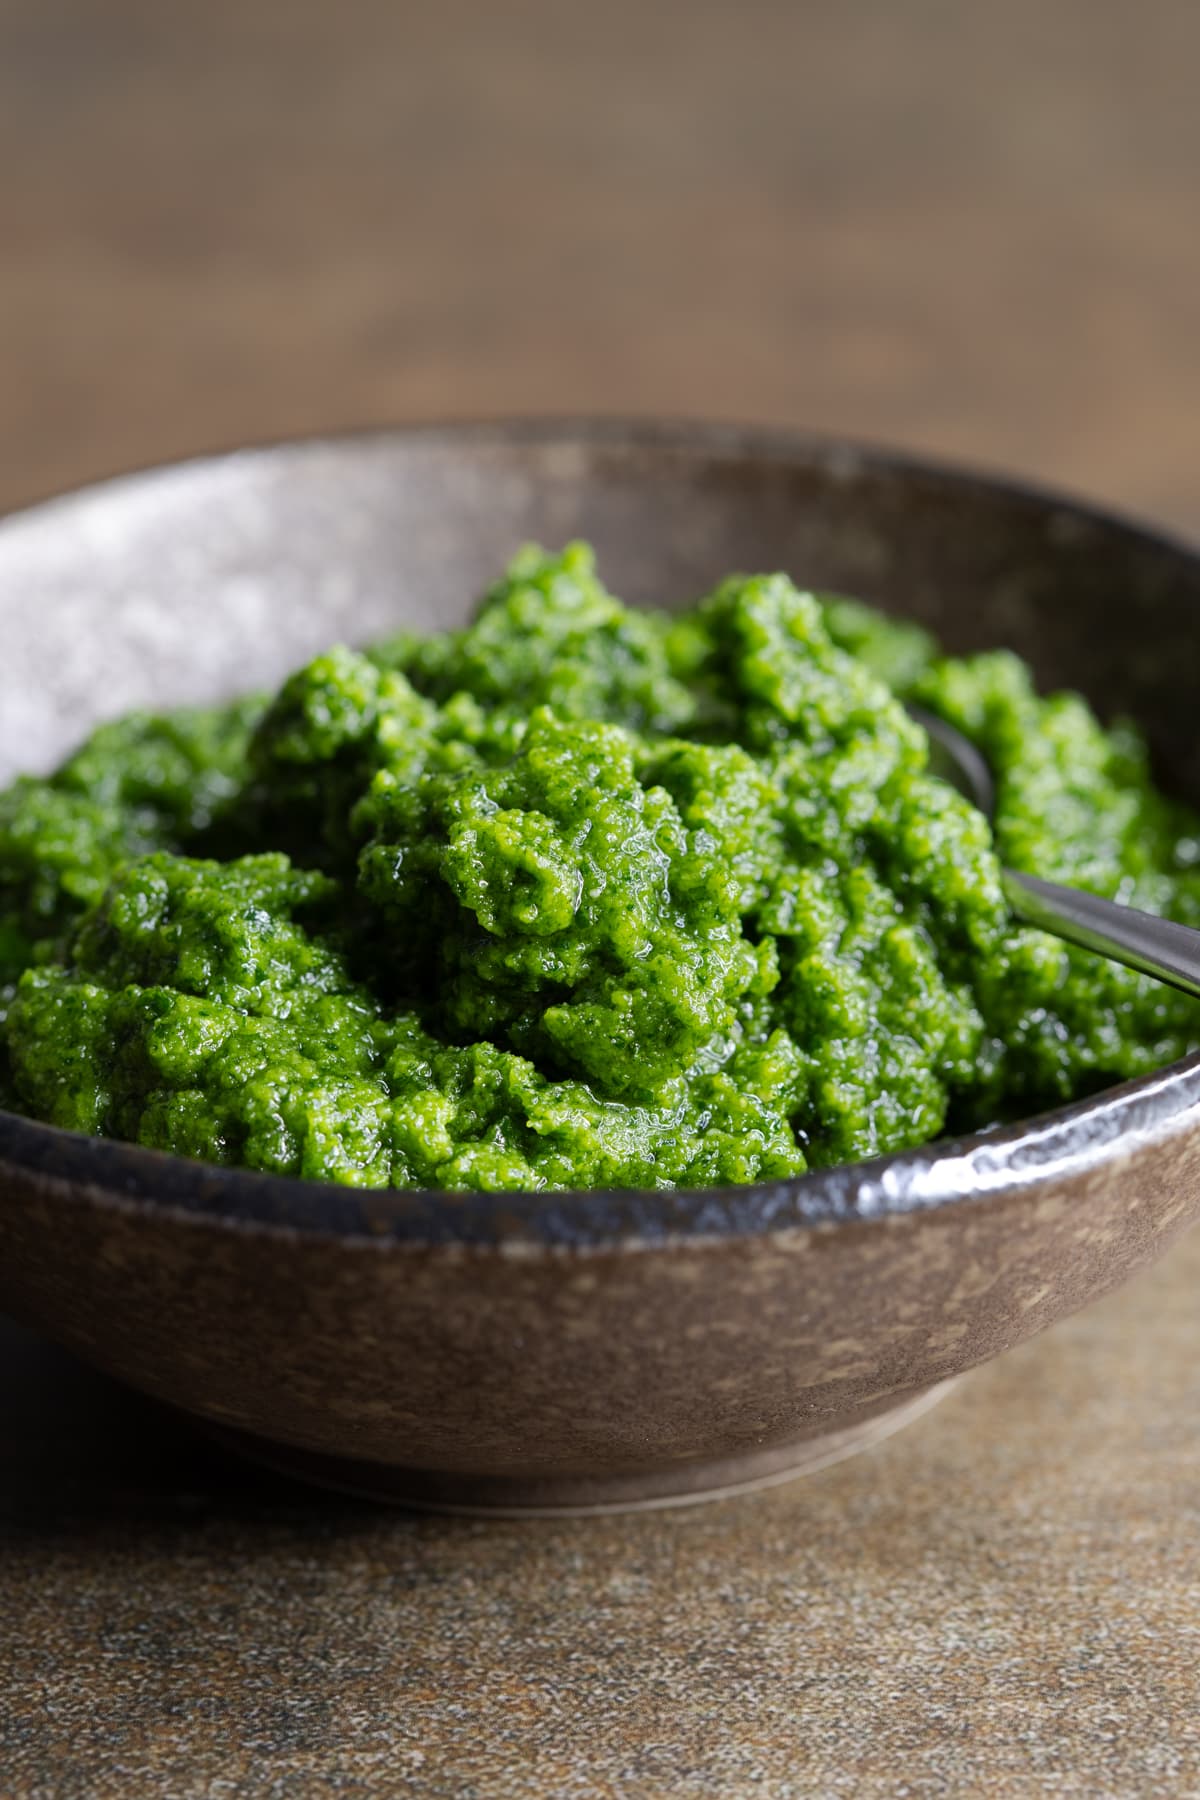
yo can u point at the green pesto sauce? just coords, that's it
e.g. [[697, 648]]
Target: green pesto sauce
[[580, 895]]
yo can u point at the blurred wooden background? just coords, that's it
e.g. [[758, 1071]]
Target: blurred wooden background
[[974, 229]]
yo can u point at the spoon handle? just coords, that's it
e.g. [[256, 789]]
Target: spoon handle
[[1138, 939]]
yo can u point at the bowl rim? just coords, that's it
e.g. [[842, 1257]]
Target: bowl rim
[[1052, 1146]]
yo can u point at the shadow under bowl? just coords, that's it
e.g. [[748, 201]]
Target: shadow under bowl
[[551, 1352]]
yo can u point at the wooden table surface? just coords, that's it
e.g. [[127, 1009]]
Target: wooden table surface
[[969, 229]]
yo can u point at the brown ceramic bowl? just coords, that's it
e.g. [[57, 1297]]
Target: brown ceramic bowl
[[545, 1351]]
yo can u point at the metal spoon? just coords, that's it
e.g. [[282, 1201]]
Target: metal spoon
[[1156, 946]]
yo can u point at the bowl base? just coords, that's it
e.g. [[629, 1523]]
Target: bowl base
[[497, 1496]]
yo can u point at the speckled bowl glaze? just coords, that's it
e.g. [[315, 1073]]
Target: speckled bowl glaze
[[544, 1352]]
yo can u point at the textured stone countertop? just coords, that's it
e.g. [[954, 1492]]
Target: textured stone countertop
[[972, 229]]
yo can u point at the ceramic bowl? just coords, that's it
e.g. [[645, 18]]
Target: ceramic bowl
[[568, 1351]]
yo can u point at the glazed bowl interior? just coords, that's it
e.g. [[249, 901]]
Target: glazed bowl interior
[[200, 580]]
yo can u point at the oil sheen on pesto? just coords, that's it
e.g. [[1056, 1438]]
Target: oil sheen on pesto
[[580, 896]]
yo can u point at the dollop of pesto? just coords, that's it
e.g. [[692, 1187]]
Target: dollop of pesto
[[580, 896]]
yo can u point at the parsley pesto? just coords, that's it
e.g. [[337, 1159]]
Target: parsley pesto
[[577, 896]]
